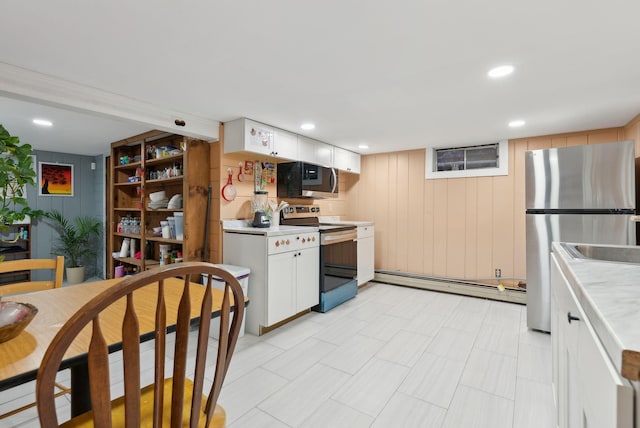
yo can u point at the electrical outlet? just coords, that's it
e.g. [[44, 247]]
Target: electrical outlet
[[498, 272]]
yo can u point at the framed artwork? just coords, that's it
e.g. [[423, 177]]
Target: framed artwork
[[55, 179]]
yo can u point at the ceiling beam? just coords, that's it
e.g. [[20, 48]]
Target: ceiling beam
[[24, 84]]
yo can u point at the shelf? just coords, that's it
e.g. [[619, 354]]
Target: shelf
[[127, 209], [12, 243], [165, 180], [163, 210], [130, 165], [14, 253], [165, 159], [129, 184], [128, 235], [165, 240], [129, 260]]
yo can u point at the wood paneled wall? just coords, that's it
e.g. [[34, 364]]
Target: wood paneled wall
[[457, 227], [632, 132]]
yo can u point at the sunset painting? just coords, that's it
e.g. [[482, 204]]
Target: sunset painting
[[56, 179]]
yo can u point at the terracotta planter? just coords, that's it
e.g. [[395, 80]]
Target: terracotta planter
[[75, 275]]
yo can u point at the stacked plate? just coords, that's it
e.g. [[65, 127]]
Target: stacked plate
[[163, 203]]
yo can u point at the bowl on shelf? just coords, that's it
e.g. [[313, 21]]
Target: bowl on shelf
[[157, 231], [14, 317], [158, 196]]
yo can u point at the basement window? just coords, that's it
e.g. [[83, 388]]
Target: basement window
[[470, 161]]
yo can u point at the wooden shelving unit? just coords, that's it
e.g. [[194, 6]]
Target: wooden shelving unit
[[15, 249], [134, 171]]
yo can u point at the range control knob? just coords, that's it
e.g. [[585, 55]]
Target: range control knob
[[304, 240], [277, 243], [288, 242]]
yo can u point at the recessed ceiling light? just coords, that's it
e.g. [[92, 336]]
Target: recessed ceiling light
[[501, 71], [516, 123], [307, 126], [42, 122], [363, 146]]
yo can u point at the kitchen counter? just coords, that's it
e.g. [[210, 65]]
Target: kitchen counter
[[244, 226], [337, 221], [609, 293]]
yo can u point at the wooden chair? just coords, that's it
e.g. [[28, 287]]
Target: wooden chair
[[169, 401], [57, 265]]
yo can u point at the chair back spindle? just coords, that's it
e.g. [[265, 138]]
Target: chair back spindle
[[176, 401]]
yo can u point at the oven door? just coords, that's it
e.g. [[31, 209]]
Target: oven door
[[338, 259]]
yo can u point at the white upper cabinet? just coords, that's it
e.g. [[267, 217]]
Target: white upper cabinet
[[306, 149], [246, 135], [285, 144], [324, 154], [346, 161], [314, 151]]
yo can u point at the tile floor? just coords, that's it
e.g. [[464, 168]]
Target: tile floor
[[392, 357]]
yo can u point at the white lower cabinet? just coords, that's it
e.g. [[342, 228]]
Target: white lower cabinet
[[284, 278], [289, 289], [366, 253], [588, 390]]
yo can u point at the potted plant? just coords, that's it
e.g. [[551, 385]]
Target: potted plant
[[16, 171], [77, 242]]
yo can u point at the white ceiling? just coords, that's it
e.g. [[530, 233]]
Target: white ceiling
[[392, 74]]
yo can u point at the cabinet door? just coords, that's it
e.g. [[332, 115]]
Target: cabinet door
[[346, 160], [571, 372], [307, 277], [258, 138], [306, 150], [281, 292], [285, 144], [568, 400], [555, 343], [607, 398], [365, 254], [324, 154], [365, 260]]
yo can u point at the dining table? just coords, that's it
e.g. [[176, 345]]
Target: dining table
[[20, 357]]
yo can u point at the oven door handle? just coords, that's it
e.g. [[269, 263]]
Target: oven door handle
[[337, 237]]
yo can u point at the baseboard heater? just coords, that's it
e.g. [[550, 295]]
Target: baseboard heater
[[448, 285]]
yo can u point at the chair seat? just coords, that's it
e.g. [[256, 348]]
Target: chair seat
[[146, 404]]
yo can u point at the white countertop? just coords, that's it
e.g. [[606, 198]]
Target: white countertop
[[244, 226], [609, 293], [335, 220]]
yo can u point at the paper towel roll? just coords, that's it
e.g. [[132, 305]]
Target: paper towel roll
[[132, 248], [124, 250]]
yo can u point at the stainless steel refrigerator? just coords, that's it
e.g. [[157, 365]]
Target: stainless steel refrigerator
[[574, 194]]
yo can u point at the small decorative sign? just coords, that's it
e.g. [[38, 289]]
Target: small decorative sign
[[56, 179], [248, 167]]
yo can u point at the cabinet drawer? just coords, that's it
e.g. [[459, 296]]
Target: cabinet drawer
[[365, 231], [298, 241]]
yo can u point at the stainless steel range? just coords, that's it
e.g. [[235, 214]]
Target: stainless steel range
[[338, 255]]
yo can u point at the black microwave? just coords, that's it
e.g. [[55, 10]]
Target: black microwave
[[306, 180]]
